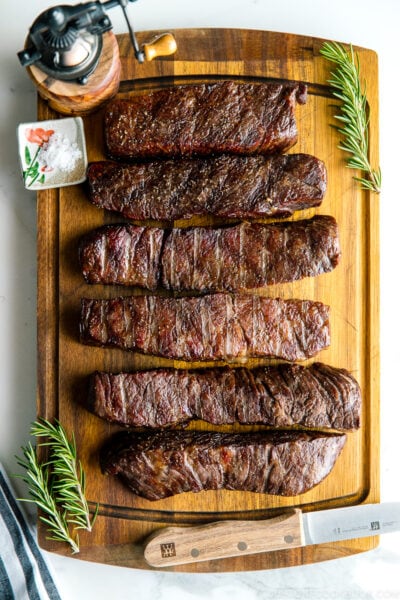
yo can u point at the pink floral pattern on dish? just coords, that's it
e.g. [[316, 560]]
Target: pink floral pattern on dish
[[32, 172]]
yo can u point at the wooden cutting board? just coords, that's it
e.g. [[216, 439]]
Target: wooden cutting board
[[352, 291]]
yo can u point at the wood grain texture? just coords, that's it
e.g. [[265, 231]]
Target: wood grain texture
[[182, 545], [352, 291]]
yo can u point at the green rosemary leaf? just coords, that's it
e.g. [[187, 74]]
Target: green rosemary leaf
[[346, 86], [96, 512], [373, 183]]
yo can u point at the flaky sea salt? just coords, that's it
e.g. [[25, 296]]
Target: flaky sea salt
[[59, 153]]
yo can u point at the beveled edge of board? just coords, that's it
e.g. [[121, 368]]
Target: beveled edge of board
[[131, 555]]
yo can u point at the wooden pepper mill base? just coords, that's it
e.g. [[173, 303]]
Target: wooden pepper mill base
[[71, 98]]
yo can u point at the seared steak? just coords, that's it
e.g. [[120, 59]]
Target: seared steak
[[163, 464], [204, 119], [284, 395], [225, 186], [213, 327], [231, 258]]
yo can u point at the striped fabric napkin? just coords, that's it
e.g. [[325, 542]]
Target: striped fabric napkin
[[24, 572]]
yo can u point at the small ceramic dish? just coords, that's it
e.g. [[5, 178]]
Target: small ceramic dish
[[52, 153]]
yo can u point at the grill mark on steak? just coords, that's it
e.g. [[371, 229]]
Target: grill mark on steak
[[166, 463], [286, 395], [332, 387], [208, 258], [226, 186], [111, 253], [196, 328], [204, 119]]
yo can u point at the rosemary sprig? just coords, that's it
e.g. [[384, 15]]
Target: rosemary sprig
[[354, 119], [57, 486], [69, 478], [38, 480]]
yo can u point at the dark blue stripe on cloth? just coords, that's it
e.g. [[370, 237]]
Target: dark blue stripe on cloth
[[20, 552], [44, 571], [6, 592]]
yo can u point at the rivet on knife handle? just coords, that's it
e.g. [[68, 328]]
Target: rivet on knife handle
[[223, 539]]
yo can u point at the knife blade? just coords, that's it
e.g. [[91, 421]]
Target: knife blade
[[222, 539]]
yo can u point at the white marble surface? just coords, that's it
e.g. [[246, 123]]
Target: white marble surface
[[369, 23]]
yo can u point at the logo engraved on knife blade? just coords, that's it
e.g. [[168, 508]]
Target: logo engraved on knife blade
[[167, 550], [375, 525], [336, 530]]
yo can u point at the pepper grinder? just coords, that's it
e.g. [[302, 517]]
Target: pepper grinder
[[72, 55]]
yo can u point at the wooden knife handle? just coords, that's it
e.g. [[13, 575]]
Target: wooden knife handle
[[181, 545], [163, 45]]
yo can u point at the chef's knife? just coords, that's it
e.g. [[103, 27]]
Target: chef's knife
[[222, 539]]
